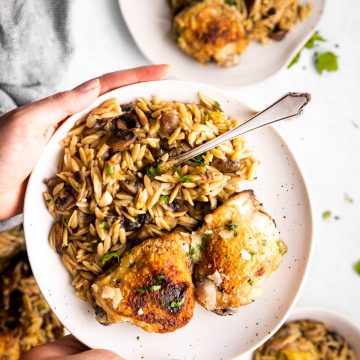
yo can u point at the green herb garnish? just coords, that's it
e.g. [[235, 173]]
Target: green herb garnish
[[264, 242], [141, 291], [199, 160], [138, 338], [232, 227], [326, 61], [206, 236], [282, 248], [110, 170], [108, 256], [78, 187], [154, 287], [177, 35], [164, 199], [251, 282], [206, 117], [326, 214], [357, 267], [163, 303], [217, 105], [177, 304], [310, 44], [103, 225], [252, 254], [192, 250], [183, 178], [154, 170], [160, 277]]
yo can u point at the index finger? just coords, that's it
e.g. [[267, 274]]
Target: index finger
[[120, 78]]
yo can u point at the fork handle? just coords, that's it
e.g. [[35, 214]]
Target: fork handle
[[288, 106]]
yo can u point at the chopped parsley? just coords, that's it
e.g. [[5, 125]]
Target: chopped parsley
[[154, 287], [154, 170], [141, 291], [78, 187], [326, 61], [252, 254], [231, 2], [177, 35], [138, 338], [357, 267], [103, 225], [264, 242], [177, 304], [217, 105], [110, 170], [232, 227], [251, 282], [183, 178], [164, 199], [192, 250], [163, 303], [199, 160], [160, 277], [282, 248], [109, 256], [206, 117], [310, 44], [326, 215]]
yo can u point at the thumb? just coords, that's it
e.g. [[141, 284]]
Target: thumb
[[50, 111]]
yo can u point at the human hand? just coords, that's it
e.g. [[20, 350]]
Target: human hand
[[68, 348], [25, 131]]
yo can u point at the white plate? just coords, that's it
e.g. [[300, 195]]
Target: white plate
[[149, 23], [341, 325], [280, 186]]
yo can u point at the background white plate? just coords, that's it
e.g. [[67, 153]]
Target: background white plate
[[280, 186], [149, 23], [341, 325]]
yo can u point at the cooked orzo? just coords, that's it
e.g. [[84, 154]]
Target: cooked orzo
[[116, 184]]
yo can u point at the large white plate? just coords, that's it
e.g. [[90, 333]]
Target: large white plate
[[149, 23], [280, 186]]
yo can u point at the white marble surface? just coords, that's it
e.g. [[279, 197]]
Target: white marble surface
[[326, 141]]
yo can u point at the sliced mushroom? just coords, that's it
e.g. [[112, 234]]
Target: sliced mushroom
[[121, 139], [58, 236], [225, 165], [132, 187], [278, 35], [65, 200], [177, 205], [52, 182], [140, 220], [169, 121], [80, 193], [178, 150]]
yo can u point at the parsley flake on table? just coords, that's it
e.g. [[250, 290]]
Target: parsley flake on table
[[310, 44], [357, 267], [326, 61], [326, 214]]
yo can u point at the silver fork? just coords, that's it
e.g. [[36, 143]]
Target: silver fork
[[288, 106]]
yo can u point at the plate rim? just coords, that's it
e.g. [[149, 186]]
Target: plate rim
[[123, 3], [195, 85]]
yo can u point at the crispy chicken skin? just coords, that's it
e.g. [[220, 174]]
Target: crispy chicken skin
[[239, 245], [210, 30], [9, 346], [150, 287]]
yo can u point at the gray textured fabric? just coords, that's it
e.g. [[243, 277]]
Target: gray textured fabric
[[11, 223], [35, 48]]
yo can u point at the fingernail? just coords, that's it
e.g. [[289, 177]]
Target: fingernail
[[88, 85]]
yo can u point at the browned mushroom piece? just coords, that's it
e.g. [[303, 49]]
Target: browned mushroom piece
[[121, 139], [140, 220], [132, 187], [80, 192], [58, 236], [169, 121], [145, 232], [65, 200], [92, 130], [182, 148], [225, 165], [52, 182], [278, 35]]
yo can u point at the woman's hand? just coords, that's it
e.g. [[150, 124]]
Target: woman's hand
[[25, 131], [68, 348]]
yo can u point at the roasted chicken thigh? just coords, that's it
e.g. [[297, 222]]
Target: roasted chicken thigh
[[237, 246], [150, 287]]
